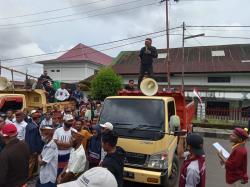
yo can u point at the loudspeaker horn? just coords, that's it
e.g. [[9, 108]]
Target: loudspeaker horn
[[4, 83], [149, 87]]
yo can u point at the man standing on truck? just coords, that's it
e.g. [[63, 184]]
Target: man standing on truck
[[147, 54], [193, 170], [61, 93]]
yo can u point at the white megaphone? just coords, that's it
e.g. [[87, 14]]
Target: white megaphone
[[4, 83], [149, 87]]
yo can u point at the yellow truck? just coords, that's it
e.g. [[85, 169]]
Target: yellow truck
[[20, 99], [142, 123]]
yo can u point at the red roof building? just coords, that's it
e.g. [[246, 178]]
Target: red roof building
[[76, 64]]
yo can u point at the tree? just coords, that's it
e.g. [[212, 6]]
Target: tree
[[106, 83]]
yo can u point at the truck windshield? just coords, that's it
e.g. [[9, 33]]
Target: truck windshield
[[134, 117]]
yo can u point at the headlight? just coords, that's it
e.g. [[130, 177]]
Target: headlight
[[158, 161]]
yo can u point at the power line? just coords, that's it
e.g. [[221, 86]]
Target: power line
[[195, 38], [220, 26], [70, 15], [96, 45], [74, 19], [99, 50], [53, 10], [223, 30]]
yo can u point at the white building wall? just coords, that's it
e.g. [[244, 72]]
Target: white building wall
[[201, 79], [70, 72]]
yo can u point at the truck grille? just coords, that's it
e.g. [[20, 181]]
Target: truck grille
[[135, 159]]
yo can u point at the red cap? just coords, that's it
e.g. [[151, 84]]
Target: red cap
[[241, 133], [9, 130]]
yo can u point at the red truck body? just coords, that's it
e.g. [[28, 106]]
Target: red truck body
[[185, 111]]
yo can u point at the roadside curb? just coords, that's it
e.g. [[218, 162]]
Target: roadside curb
[[213, 133]]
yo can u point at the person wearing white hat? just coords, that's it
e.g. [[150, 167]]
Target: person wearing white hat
[[48, 159], [77, 160], [105, 128], [62, 138], [95, 177]]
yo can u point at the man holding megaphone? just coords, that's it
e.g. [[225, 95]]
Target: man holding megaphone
[[147, 54]]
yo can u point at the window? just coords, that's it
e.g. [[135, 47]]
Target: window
[[161, 79], [217, 108], [52, 70], [171, 109], [58, 70], [218, 53], [162, 55], [219, 79], [245, 61]]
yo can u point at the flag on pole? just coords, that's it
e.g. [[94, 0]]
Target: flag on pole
[[197, 94]]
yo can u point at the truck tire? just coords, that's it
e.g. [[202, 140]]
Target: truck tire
[[173, 178]]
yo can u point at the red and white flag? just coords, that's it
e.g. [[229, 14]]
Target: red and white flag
[[197, 94]]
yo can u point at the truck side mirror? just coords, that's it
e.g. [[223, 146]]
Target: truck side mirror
[[174, 123]]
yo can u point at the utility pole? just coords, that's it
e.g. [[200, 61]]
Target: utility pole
[[168, 50], [183, 55], [0, 67]]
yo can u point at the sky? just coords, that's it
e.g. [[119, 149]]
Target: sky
[[28, 27]]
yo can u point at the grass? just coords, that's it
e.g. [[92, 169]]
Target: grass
[[216, 123]]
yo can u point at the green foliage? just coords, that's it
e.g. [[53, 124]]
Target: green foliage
[[106, 83]]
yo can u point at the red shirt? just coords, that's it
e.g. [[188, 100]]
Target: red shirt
[[236, 165]]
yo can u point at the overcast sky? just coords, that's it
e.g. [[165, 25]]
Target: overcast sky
[[18, 38]]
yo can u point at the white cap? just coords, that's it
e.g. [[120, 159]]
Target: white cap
[[107, 125], [68, 117], [95, 177], [32, 111]]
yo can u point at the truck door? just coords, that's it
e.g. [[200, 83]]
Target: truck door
[[172, 139]]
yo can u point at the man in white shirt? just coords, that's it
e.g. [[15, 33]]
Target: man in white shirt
[[77, 160], [20, 125], [62, 94], [63, 139], [48, 159], [47, 121], [10, 116]]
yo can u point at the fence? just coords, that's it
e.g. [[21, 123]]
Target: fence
[[234, 114]]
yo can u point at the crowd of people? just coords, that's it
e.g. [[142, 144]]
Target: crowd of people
[[62, 146], [57, 147], [58, 92]]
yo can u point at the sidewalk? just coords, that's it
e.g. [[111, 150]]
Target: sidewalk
[[214, 133]]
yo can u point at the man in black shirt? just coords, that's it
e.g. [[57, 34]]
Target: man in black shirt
[[147, 54], [14, 159], [130, 86], [45, 78], [114, 160]]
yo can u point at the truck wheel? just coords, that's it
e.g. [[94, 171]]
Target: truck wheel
[[172, 179]]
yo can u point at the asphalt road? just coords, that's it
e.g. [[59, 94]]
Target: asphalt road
[[215, 173]]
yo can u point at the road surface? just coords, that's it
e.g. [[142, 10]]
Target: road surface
[[215, 173]]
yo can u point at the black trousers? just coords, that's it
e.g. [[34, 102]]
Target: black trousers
[[248, 126], [145, 70]]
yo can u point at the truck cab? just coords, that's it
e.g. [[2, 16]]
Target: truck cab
[[142, 123]]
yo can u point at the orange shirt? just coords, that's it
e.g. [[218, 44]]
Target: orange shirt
[[87, 135]]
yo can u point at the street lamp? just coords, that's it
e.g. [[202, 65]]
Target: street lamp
[[183, 50]]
